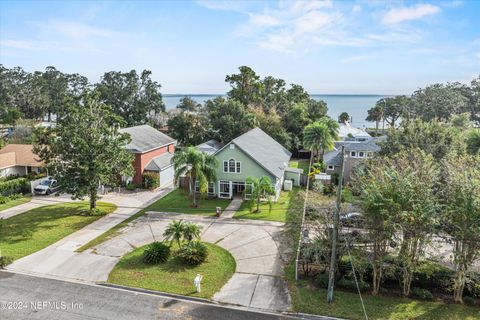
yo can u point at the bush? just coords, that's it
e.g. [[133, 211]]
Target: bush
[[5, 261], [13, 186], [151, 180], [472, 285], [5, 199], [156, 252], [322, 280], [131, 186], [420, 293], [430, 274], [347, 195], [469, 301], [351, 285], [193, 253]]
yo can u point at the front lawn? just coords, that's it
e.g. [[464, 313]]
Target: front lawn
[[279, 208], [16, 202], [309, 299], [300, 164], [173, 276], [179, 201], [38, 228]]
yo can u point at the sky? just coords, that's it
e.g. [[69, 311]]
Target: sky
[[328, 47]]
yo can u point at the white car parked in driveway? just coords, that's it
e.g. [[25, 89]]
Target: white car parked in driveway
[[47, 186]]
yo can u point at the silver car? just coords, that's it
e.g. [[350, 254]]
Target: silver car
[[47, 187]]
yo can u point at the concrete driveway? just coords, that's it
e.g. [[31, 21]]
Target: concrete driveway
[[257, 246], [60, 258]]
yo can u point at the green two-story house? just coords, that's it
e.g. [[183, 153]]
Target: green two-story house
[[253, 154]]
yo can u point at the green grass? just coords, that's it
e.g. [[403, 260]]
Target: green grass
[[173, 276], [309, 299], [38, 228], [175, 201], [16, 202], [279, 208], [300, 164], [179, 201]]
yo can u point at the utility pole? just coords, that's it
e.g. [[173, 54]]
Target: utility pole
[[336, 219]]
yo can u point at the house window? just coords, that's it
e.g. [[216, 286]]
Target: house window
[[197, 187], [330, 167], [361, 154], [224, 189], [225, 166], [353, 154], [238, 166], [211, 188], [231, 165]]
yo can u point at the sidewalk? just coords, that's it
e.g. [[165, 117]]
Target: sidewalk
[[231, 209], [60, 258]]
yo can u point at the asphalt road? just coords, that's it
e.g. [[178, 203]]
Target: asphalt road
[[28, 297]]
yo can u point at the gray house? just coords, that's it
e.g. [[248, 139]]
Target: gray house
[[253, 154], [355, 152]]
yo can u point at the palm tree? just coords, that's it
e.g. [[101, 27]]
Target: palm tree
[[191, 231], [320, 136], [197, 166], [332, 126], [473, 141], [343, 117], [174, 231], [262, 186]]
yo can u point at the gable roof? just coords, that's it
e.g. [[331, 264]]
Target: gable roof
[[334, 157], [209, 147], [262, 148], [158, 163], [19, 155], [145, 138]]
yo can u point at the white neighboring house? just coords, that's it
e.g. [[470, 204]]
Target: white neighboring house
[[349, 133], [19, 159]]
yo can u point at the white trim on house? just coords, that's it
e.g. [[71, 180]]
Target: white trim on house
[[228, 164]]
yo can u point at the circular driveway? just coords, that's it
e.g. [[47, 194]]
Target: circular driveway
[[258, 247]]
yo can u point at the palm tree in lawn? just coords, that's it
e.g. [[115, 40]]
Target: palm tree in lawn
[[197, 166], [473, 141], [175, 231], [262, 186], [191, 231], [320, 136]]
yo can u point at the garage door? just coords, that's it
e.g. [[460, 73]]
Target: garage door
[[166, 176]]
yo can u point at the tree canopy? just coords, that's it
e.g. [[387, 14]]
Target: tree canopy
[[85, 149]]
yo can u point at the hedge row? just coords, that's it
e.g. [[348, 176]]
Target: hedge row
[[19, 185]]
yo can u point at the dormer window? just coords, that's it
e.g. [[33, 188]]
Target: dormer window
[[353, 154]]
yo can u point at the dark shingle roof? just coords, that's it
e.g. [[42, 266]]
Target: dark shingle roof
[[145, 138], [334, 157], [265, 150], [160, 162], [209, 147]]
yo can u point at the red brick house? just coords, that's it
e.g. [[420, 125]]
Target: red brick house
[[153, 151]]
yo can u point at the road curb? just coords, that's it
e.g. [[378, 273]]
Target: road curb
[[157, 293]]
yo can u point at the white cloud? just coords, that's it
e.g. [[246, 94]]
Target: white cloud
[[356, 8], [397, 15]]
